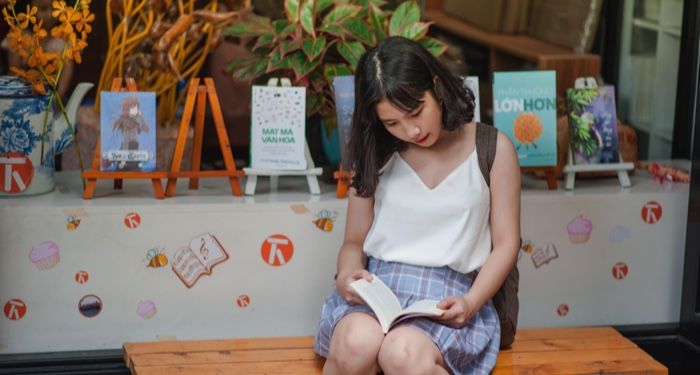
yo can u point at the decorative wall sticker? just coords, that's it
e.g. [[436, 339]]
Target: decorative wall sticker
[[243, 301], [277, 250], [579, 229], [81, 277], [563, 310], [132, 220], [16, 172], [90, 305], [527, 246], [44, 255], [651, 212], [72, 222], [299, 209], [324, 220], [619, 233], [620, 270], [146, 309], [15, 309], [544, 254], [156, 257], [199, 258]]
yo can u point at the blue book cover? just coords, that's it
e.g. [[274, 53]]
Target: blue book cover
[[593, 125], [525, 109], [127, 131], [344, 92]]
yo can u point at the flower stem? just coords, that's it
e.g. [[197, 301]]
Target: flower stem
[[46, 126]]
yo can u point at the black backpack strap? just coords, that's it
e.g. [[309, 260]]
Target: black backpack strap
[[485, 141]]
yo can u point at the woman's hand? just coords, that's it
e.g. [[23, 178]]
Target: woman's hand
[[342, 285], [458, 311]]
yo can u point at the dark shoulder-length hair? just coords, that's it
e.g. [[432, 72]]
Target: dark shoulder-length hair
[[401, 71]]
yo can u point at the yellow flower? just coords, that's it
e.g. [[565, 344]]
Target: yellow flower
[[59, 9], [26, 18]]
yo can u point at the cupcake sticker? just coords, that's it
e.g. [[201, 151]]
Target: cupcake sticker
[[90, 306], [579, 229], [146, 309], [44, 255]]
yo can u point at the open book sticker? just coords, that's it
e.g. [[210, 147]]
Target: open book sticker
[[203, 253], [386, 305]]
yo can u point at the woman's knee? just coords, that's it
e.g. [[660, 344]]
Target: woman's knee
[[406, 351], [355, 343]]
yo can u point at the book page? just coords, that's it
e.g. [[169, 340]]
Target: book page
[[208, 250], [380, 298], [187, 266]]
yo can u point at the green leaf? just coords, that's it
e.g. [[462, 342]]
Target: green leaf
[[277, 61], [307, 16], [263, 40], [335, 70], [351, 52], [340, 13], [377, 18], [433, 45], [280, 25], [254, 26], [301, 65], [314, 103], [247, 68], [359, 30], [415, 31], [287, 30], [321, 5], [313, 47], [291, 8], [287, 46], [405, 15], [333, 30]]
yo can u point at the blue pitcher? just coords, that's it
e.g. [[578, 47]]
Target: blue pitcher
[[23, 169]]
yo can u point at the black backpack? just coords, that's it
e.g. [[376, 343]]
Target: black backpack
[[506, 299]]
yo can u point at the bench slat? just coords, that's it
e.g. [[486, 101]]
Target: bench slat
[[630, 367], [509, 359], [224, 356], [565, 333], [546, 345], [253, 368]]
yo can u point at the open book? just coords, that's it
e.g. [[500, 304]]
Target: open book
[[386, 306], [203, 253]]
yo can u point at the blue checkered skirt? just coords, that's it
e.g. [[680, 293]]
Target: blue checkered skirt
[[471, 349]]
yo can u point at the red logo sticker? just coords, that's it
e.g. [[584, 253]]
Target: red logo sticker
[[620, 270], [16, 172], [277, 250], [81, 277], [15, 309], [132, 220], [651, 212], [243, 301], [563, 309]]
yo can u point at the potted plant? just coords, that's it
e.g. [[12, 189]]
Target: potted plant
[[321, 39]]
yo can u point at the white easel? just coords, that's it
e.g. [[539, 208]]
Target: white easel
[[311, 172], [571, 169]]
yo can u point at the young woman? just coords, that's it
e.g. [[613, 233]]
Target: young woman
[[421, 218]]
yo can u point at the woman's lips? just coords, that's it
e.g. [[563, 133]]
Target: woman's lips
[[423, 139]]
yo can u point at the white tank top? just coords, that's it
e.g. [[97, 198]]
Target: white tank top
[[444, 226]]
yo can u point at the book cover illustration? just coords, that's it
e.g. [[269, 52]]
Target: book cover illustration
[[525, 109], [199, 258], [593, 125], [344, 93], [278, 117], [127, 131], [472, 82]]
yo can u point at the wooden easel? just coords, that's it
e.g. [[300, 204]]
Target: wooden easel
[[343, 177], [200, 93], [95, 174]]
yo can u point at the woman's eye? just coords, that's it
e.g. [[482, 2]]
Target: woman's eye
[[416, 113]]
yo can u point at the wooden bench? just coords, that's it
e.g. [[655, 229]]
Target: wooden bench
[[598, 350]]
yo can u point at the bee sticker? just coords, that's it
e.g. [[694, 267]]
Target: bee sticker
[[72, 222], [156, 258], [324, 220]]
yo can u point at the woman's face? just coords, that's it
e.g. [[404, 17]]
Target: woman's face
[[421, 126]]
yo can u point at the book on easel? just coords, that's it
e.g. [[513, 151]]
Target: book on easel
[[278, 144], [96, 172], [525, 109]]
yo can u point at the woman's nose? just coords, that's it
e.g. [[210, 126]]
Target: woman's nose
[[413, 130]]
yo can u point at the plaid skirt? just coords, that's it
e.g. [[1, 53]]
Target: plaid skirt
[[471, 349]]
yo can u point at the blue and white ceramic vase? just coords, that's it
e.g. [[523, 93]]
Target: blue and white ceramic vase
[[23, 168]]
